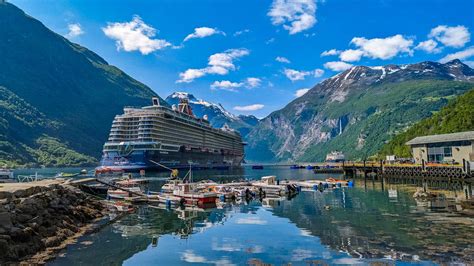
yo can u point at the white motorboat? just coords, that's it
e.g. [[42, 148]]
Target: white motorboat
[[270, 185], [6, 176], [190, 193], [126, 189]]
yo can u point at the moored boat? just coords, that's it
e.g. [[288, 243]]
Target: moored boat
[[190, 193], [125, 189], [6, 176]]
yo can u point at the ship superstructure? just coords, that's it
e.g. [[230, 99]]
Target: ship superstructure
[[335, 157], [173, 137]]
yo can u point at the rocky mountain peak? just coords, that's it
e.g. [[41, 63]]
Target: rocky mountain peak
[[218, 116], [357, 110]]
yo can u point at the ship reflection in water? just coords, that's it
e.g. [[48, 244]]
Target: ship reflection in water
[[365, 224]]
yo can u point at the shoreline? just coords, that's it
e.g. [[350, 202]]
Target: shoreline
[[39, 219]]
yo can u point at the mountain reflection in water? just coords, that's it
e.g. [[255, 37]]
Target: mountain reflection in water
[[364, 224]]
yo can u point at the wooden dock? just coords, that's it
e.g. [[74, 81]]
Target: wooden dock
[[424, 171]]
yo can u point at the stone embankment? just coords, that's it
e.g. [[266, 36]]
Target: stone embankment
[[37, 221]]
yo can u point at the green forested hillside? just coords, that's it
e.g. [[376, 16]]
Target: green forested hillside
[[357, 111], [457, 116], [55, 90]]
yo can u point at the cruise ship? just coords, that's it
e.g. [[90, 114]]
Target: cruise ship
[[157, 137]]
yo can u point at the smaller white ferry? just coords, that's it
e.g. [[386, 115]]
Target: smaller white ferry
[[335, 157]]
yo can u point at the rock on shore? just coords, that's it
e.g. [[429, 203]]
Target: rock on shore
[[39, 218]]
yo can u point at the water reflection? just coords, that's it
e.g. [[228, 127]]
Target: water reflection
[[365, 224]]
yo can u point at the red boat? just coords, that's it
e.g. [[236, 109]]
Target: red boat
[[188, 192]]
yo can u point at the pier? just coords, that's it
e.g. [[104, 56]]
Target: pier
[[438, 172]]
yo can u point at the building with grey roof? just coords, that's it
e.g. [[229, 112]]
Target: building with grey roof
[[452, 147]]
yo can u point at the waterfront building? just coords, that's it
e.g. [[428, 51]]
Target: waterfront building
[[454, 147]]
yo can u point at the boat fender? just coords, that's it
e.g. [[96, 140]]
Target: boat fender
[[315, 187], [222, 197], [278, 182], [182, 201], [350, 183], [168, 203], [338, 184], [326, 185]]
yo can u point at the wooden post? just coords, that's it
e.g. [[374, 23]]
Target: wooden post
[[469, 168], [423, 166], [464, 166], [365, 172]]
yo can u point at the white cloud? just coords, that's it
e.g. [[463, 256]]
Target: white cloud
[[190, 257], [203, 32], [318, 73], [295, 15], [337, 65], [219, 64], [282, 59], [464, 54], [252, 219], [248, 108], [240, 32], [134, 36], [330, 52], [75, 30], [351, 55], [430, 46], [451, 36], [226, 85], [383, 48], [253, 82], [232, 86], [271, 40], [295, 75], [301, 92]]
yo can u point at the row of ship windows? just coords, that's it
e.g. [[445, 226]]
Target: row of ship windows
[[197, 133], [230, 147]]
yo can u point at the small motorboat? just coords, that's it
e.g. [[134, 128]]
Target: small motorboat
[[126, 189], [224, 191], [190, 193], [257, 167], [270, 185], [295, 166], [170, 186], [6, 176], [336, 181], [66, 175]]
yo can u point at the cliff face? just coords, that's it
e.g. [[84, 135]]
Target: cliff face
[[55, 89], [357, 111]]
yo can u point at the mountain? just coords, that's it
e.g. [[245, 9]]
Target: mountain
[[456, 116], [57, 98], [357, 111], [216, 113]]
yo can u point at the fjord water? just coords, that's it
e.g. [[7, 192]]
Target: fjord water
[[368, 223]]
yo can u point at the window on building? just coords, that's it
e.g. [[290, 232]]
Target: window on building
[[437, 154]]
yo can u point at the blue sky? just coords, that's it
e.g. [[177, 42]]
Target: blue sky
[[231, 57]]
